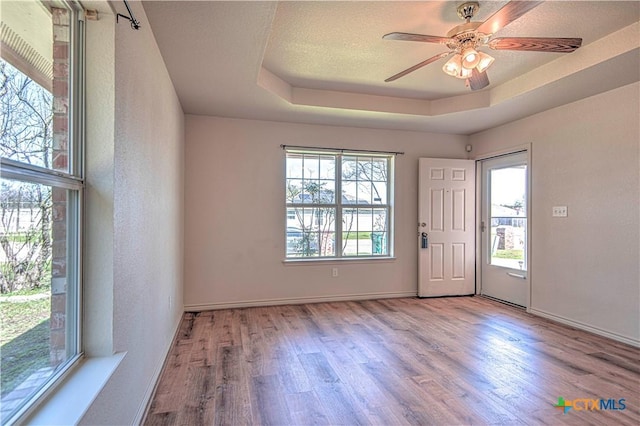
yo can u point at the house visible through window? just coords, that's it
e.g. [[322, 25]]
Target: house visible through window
[[338, 205], [40, 199]]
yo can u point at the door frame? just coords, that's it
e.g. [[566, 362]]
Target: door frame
[[479, 200]]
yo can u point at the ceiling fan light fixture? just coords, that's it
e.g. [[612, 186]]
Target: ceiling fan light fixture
[[465, 73], [470, 58], [453, 66], [484, 62]]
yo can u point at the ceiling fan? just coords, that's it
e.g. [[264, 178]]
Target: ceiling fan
[[463, 41]]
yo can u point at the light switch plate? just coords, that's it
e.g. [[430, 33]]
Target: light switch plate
[[559, 211]]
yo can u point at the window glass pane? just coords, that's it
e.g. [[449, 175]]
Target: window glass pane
[[327, 244], [365, 220], [350, 234], [364, 193], [327, 192], [318, 192], [310, 179], [380, 232], [508, 217], [312, 191], [364, 168], [380, 220], [349, 170], [28, 109], [294, 190], [294, 166], [364, 232], [379, 192], [311, 167], [349, 192], [36, 266], [297, 242], [327, 167], [364, 180], [324, 219], [310, 232], [379, 169], [291, 215], [35, 85]]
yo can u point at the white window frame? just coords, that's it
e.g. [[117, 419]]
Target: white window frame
[[73, 181], [339, 206]]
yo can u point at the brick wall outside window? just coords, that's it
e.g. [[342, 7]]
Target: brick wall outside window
[[61, 35]]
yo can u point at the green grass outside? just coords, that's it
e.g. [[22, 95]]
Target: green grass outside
[[7, 270], [19, 238], [356, 235], [24, 338], [509, 254]]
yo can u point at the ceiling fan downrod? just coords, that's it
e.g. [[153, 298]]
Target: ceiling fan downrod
[[467, 10]]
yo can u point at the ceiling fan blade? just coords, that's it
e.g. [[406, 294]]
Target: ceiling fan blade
[[417, 66], [536, 44], [478, 80], [503, 17], [416, 37]]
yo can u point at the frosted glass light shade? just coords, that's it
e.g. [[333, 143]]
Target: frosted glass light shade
[[484, 62], [470, 58], [453, 66]]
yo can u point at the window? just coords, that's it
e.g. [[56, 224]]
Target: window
[[339, 205], [40, 199], [508, 216]]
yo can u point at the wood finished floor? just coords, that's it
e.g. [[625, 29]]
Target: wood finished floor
[[389, 362]]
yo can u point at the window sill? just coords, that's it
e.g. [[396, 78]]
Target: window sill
[[341, 261], [71, 399]]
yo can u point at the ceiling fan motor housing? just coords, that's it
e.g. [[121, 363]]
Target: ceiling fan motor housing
[[465, 35]]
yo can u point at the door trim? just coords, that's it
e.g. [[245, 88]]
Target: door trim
[[479, 249]]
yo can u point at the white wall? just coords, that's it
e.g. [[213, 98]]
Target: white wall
[[135, 162], [235, 214], [585, 155]]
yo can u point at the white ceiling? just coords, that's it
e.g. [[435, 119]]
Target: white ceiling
[[325, 62]]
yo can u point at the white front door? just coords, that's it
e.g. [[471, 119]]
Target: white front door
[[504, 228], [446, 231]]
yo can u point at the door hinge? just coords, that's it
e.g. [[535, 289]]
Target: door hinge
[[482, 226]]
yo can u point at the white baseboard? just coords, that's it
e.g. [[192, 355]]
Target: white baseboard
[[586, 327], [295, 300], [155, 378]]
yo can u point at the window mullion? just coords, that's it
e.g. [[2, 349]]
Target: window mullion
[[338, 177], [310, 205], [27, 173]]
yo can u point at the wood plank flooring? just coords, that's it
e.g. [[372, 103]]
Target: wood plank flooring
[[391, 362]]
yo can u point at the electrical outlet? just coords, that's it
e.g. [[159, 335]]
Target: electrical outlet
[[334, 272], [559, 211]]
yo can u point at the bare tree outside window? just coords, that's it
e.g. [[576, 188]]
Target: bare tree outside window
[[25, 209], [27, 118]]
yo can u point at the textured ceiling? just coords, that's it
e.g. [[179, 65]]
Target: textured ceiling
[[325, 62]]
